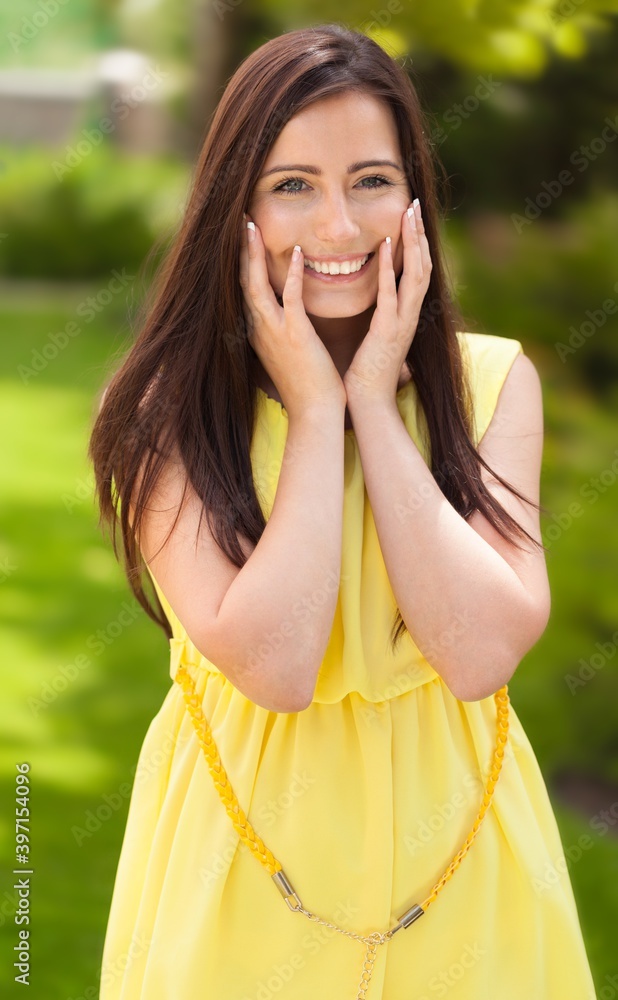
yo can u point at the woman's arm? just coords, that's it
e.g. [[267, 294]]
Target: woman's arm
[[267, 625], [472, 602]]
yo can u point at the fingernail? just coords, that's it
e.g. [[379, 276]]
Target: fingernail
[[388, 244], [416, 204], [411, 215], [251, 231], [296, 252]]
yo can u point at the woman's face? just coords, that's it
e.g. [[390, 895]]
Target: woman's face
[[334, 206]]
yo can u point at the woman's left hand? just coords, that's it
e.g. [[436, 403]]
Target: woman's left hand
[[378, 362]]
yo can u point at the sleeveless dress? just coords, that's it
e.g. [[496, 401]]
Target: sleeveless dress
[[364, 797]]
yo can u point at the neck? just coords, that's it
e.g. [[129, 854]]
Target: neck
[[342, 337]]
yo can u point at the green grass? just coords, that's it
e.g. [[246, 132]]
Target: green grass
[[62, 584], [79, 726]]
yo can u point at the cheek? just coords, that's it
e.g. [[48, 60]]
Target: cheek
[[398, 258]]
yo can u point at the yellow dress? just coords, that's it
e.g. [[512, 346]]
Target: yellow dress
[[364, 797]]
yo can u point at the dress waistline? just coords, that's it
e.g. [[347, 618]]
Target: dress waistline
[[402, 681]]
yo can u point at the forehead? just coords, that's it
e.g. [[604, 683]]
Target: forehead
[[343, 126]]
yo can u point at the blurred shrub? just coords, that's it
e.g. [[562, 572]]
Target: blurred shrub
[[554, 287], [104, 213], [550, 282]]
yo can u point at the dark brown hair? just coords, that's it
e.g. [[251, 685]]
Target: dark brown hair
[[188, 379]]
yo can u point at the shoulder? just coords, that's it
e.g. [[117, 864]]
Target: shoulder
[[522, 383], [487, 353], [519, 409], [505, 384]]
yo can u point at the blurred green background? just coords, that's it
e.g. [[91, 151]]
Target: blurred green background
[[518, 93]]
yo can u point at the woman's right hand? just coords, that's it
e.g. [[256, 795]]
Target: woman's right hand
[[284, 339]]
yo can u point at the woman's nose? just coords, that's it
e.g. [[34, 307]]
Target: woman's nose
[[334, 222]]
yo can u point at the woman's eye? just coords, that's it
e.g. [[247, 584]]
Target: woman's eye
[[383, 181], [289, 180], [284, 189]]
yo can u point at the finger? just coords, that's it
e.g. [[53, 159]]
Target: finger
[[292, 295], [260, 290], [387, 285], [243, 261], [243, 274], [413, 275], [422, 242]]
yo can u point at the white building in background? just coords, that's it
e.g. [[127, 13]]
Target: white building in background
[[123, 97]]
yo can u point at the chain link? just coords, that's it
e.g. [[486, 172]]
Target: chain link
[[370, 940]]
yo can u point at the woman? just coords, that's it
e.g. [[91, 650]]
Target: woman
[[369, 576]]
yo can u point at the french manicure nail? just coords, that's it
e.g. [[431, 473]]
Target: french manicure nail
[[388, 244], [416, 204], [251, 231]]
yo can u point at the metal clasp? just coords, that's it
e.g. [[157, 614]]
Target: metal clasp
[[286, 889], [408, 918]]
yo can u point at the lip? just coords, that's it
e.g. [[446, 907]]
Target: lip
[[340, 279]]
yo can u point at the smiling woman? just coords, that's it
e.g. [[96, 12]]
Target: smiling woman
[[334, 489]]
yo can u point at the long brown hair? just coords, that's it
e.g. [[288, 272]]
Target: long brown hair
[[188, 380]]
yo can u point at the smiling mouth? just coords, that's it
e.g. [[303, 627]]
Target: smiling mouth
[[336, 268], [343, 277]]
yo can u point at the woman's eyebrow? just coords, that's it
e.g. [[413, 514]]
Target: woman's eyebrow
[[352, 169]]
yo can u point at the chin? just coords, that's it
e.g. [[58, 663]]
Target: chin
[[338, 303], [338, 313], [332, 310]]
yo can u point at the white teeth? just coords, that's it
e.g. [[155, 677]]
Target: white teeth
[[333, 267]]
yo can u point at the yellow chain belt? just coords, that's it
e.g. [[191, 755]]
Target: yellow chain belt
[[255, 844]]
